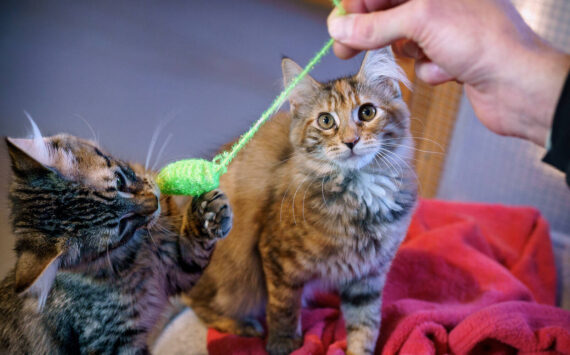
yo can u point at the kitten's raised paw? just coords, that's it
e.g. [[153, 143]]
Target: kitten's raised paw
[[283, 345], [213, 211]]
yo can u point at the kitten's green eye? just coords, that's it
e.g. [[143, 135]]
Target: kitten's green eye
[[366, 112], [121, 183], [325, 121]]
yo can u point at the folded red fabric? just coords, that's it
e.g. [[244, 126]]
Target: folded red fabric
[[469, 278]]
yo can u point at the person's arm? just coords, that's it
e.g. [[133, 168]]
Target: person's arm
[[558, 146]]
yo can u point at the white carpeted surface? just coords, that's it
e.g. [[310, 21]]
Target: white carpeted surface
[[184, 335]]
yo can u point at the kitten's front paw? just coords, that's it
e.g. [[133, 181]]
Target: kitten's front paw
[[214, 213], [282, 345]]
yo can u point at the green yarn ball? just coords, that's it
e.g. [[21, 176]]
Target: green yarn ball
[[189, 177]]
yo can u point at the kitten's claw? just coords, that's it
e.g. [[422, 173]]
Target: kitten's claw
[[214, 211]]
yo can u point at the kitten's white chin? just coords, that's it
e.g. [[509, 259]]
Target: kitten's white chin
[[355, 161]]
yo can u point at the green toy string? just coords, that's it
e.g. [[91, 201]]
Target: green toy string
[[197, 176]]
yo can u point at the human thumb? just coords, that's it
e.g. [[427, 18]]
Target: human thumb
[[371, 30]]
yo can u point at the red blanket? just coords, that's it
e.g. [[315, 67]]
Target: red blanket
[[469, 278]]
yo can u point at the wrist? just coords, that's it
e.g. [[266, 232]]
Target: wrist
[[540, 88]]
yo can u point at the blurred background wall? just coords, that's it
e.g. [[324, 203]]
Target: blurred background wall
[[206, 69]]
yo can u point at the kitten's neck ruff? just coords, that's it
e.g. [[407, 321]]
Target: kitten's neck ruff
[[377, 173], [365, 198]]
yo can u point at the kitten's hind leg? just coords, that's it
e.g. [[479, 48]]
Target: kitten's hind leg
[[249, 327]]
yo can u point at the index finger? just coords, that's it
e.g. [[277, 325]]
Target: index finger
[[344, 52], [363, 6]]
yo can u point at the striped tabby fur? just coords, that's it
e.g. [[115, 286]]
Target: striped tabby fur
[[317, 206], [99, 252]]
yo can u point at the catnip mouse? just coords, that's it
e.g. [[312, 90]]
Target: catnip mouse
[[99, 251]]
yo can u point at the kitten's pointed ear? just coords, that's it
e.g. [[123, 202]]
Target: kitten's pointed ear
[[380, 68], [35, 272], [28, 156], [306, 87]]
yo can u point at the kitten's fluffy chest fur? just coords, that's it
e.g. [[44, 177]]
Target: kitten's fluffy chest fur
[[369, 196], [348, 219]]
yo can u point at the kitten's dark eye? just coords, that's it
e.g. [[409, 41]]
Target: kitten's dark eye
[[121, 182], [325, 121], [366, 112]]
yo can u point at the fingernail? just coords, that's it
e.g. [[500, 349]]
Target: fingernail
[[340, 27]]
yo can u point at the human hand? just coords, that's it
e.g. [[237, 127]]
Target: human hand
[[512, 77]]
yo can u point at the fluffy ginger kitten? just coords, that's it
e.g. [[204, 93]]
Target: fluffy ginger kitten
[[324, 194]]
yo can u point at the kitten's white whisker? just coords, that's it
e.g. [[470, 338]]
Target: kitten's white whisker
[[323, 193], [398, 172], [379, 160], [154, 137], [419, 120], [151, 146], [395, 156], [151, 238], [294, 195], [289, 157], [386, 156], [305, 195], [413, 148], [161, 228], [411, 159], [389, 155], [391, 184], [420, 138], [90, 127], [160, 151]]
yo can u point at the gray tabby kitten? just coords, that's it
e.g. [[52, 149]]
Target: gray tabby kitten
[[99, 251], [326, 193]]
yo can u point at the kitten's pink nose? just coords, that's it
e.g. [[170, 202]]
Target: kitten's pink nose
[[351, 142]]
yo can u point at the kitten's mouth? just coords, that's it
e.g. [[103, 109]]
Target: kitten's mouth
[[128, 225], [350, 156], [355, 160], [130, 222]]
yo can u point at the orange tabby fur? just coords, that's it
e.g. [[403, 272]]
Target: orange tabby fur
[[315, 205]]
